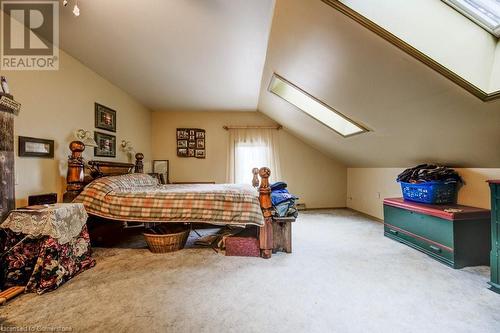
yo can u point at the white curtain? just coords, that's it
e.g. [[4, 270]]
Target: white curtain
[[252, 148]]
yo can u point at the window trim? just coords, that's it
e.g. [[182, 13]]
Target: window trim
[[364, 129], [475, 18]]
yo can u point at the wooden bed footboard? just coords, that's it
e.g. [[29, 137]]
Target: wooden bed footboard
[[266, 231]]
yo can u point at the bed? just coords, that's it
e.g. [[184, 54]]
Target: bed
[[122, 192], [140, 198]]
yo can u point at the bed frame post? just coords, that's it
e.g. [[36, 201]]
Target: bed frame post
[[255, 180], [75, 176], [139, 165], [266, 231]]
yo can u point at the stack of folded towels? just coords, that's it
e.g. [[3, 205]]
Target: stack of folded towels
[[283, 201]]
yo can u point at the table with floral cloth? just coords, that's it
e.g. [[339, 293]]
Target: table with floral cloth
[[41, 249]]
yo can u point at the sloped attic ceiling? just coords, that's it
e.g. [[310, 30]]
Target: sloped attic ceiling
[[209, 55], [174, 54], [414, 113]]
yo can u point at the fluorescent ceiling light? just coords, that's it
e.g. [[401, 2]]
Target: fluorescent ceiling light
[[485, 13], [314, 107]]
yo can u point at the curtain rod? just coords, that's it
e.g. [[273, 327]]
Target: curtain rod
[[277, 127]]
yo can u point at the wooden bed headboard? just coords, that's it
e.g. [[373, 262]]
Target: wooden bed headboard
[[105, 168], [76, 179]]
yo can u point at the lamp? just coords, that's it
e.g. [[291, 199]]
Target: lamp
[[85, 137], [127, 147], [76, 9]]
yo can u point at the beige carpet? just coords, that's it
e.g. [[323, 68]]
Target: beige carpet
[[344, 276]]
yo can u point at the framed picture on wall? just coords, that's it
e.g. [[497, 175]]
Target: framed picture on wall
[[106, 145], [105, 118], [33, 147], [182, 134], [191, 142], [161, 167], [200, 143]]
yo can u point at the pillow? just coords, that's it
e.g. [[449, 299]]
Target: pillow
[[132, 180]]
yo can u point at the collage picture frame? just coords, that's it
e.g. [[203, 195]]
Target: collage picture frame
[[191, 142]]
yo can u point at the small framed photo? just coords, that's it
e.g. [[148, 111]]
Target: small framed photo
[[191, 153], [191, 132], [182, 144], [161, 167], [182, 134], [191, 144], [105, 118], [33, 147], [106, 145], [182, 152], [200, 135], [200, 143], [200, 153]]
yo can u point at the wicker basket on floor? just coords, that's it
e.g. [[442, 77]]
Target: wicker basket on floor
[[163, 243]]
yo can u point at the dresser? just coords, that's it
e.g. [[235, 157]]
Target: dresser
[[495, 235], [455, 235]]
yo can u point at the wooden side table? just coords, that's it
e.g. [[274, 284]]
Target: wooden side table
[[282, 234]]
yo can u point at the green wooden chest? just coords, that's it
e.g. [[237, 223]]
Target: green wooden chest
[[495, 235], [456, 235]]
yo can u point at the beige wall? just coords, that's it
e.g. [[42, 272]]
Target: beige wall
[[495, 74], [54, 105], [318, 180], [367, 188], [469, 49]]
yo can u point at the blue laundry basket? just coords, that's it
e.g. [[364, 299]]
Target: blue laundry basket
[[431, 192]]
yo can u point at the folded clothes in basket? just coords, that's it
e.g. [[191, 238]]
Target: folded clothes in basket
[[429, 172]]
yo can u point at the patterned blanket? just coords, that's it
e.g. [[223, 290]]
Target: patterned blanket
[[139, 198]]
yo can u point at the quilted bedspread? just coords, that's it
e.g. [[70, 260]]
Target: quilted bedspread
[[139, 198]]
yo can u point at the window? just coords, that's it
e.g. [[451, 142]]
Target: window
[[485, 13], [252, 148], [314, 108], [248, 156]]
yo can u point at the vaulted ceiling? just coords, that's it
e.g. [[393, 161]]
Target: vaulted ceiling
[[211, 55], [174, 54]]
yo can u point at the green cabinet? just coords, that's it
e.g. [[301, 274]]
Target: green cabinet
[[456, 235], [495, 235]]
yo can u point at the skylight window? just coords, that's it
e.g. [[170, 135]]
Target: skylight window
[[485, 13], [314, 108]]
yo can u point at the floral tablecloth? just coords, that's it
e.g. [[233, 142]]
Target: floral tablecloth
[[39, 261]]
